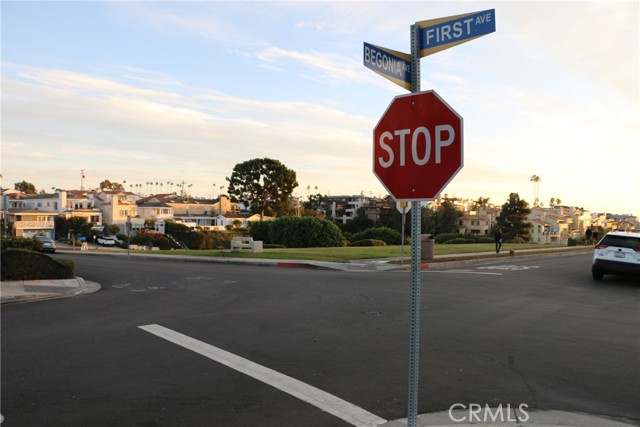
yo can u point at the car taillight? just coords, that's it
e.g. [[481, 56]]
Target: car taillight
[[637, 249], [601, 246]]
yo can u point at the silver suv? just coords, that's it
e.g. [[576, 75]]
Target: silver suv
[[617, 253]]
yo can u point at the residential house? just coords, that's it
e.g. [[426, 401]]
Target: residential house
[[243, 219], [473, 224], [31, 222], [118, 209], [556, 223], [539, 231], [344, 208]]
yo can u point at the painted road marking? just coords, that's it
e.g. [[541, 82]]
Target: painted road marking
[[463, 272], [327, 402], [510, 267]]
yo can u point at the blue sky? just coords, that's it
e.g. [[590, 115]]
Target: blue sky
[[183, 91]]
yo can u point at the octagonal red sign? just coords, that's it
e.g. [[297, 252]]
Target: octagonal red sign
[[417, 146]]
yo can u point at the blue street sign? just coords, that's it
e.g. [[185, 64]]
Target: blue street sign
[[443, 33], [390, 64]]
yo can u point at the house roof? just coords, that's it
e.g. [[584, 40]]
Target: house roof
[[474, 217], [240, 215], [41, 196], [154, 204]]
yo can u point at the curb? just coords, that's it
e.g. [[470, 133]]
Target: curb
[[373, 265], [17, 291], [496, 417]]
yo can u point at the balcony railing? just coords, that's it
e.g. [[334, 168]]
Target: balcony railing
[[33, 224]]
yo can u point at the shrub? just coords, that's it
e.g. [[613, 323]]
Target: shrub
[[457, 241], [23, 264], [444, 237], [517, 239], [485, 240], [142, 239], [386, 234], [368, 242], [304, 232], [21, 243], [260, 230], [194, 239]]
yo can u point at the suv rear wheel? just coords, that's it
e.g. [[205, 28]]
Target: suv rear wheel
[[597, 274]]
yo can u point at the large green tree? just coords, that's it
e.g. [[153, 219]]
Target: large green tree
[[513, 218], [108, 185], [265, 184], [25, 187], [443, 219]]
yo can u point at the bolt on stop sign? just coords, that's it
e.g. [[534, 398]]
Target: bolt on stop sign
[[417, 146]]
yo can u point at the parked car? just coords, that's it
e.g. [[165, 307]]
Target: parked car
[[617, 253], [106, 240], [48, 244]]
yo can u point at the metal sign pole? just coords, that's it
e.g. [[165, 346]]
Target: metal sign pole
[[414, 330], [404, 217]]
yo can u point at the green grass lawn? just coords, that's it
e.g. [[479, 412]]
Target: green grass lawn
[[353, 253]]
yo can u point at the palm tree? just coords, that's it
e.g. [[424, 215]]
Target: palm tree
[[481, 202], [536, 184]]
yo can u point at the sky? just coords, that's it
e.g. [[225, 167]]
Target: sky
[[183, 91]]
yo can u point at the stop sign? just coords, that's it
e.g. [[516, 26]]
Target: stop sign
[[417, 146]]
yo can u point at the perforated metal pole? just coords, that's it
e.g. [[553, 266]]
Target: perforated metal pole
[[414, 330]]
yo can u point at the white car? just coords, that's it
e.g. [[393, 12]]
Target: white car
[[617, 253], [106, 240]]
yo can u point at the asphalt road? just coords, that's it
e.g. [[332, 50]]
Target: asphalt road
[[537, 331]]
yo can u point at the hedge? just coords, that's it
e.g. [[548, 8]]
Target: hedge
[[261, 230], [21, 243], [459, 240], [304, 232], [386, 234], [23, 264], [368, 242]]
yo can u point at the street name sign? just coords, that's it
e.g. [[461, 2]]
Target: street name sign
[[443, 33], [390, 64], [417, 146]]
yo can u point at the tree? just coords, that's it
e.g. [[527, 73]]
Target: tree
[[108, 185], [317, 203], [554, 202], [358, 223], [536, 185], [25, 187], [480, 203], [512, 218], [265, 184], [443, 219], [76, 225]]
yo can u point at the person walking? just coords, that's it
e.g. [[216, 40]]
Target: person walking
[[587, 235], [498, 238]]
